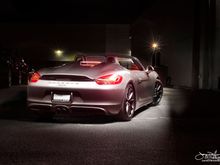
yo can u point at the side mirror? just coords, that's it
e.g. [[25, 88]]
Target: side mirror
[[149, 68]]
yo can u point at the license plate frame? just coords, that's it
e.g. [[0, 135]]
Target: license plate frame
[[62, 98]]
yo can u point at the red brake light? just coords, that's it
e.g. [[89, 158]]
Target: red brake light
[[89, 63], [109, 79], [35, 77]]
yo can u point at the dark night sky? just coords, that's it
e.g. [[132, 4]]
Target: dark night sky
[[72, 11]]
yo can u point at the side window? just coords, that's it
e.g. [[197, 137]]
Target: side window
[[124, 63], [138, 63], [129, 64]]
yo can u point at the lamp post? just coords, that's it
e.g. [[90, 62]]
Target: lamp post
[[155, 47]]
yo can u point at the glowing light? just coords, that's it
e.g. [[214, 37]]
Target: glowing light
[[89, 63], [35, 77], [58, 53], [154, 45], [110, 79]]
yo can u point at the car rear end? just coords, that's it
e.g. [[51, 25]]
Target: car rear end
[[76, 93]]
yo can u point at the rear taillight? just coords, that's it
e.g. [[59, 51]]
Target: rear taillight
[[35, 77], [109, 79]]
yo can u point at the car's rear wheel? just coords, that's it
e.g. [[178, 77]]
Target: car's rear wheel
[[128, 106], [158, 93]]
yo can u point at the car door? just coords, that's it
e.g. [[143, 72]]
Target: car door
[[144, 82], [140, 78]]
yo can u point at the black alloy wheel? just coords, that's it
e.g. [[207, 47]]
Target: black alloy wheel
[[129, 103], [158, 93]]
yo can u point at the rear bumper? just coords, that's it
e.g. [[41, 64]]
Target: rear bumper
[[74, 109], [86, 98]]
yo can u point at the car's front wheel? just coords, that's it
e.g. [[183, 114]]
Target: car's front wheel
[[128, 105], [158, 93]]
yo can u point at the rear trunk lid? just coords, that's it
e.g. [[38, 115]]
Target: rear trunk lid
[[76, 72]]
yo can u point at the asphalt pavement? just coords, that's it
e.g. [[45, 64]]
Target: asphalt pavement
[[183, 125]]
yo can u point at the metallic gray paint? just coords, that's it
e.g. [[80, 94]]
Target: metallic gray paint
[[88, 94]]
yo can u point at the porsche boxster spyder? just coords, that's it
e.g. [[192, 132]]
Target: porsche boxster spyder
[[109, 85]]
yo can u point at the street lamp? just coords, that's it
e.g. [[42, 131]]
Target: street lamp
[[155, 47], [58, 52]]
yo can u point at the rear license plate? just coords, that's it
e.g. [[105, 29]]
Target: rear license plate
[[61, 98]]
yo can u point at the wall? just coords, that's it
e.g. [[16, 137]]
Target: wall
[[38, 41], [216, 59], [117, 39]]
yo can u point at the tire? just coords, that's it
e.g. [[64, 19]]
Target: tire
[[158, 93], [128, 105]]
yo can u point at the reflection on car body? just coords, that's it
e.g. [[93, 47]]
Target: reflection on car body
[[110, 85]]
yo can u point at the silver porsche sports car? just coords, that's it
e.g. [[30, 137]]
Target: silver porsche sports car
[[109, 85]]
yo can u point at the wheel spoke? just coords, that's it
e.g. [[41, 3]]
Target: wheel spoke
[[131, 100], [159, 87], [130, 95], [127, 107], [158, 91], [132, 106]]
